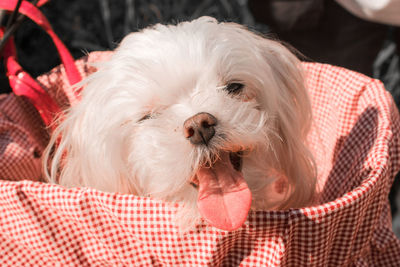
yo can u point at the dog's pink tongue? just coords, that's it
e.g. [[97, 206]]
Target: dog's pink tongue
[[224, 198]]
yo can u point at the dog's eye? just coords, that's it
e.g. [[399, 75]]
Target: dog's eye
[[234, 88]]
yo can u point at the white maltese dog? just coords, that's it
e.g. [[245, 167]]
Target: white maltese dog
[[203, 113]]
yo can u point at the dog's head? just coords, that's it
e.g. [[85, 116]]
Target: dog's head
[[198, 111]]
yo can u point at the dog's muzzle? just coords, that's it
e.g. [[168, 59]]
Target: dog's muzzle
[[200, 128], [224, 198]]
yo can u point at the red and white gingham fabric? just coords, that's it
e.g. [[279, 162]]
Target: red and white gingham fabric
[[355, 140]]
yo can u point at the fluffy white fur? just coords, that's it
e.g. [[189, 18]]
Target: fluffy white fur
[[170, 73]]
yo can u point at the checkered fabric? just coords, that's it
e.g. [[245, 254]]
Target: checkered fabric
[[355, 139]]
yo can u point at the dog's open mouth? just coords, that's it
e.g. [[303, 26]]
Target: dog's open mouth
[[224, 198], [235, 159]]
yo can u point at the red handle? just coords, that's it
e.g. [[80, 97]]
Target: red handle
[[20, 81], [36, 15], [24, 85]]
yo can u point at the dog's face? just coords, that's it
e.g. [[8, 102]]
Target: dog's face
[[202, 112]]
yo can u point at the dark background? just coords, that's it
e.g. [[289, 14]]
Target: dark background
[[321, 30]]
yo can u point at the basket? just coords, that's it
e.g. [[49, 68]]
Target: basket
[[355, 139]]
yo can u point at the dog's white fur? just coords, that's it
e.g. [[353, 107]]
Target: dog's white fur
[[170, 73]]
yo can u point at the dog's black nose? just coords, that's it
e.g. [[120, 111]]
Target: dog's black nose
[[199, 129]]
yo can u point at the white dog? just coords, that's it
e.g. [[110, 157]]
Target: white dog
[[203, 113]]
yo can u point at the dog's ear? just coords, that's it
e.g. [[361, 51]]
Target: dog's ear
[[293, 121], [88, 147], [284, 95]]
